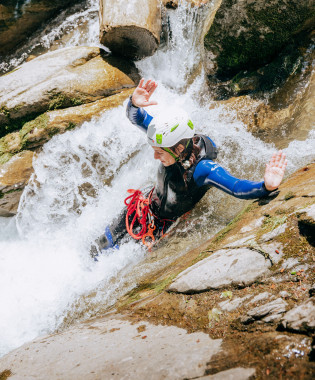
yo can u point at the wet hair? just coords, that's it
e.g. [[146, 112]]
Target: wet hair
[[191, 151]]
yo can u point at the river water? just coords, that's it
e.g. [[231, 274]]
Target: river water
[[48, 280]]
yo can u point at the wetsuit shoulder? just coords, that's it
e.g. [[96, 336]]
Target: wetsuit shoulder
[[138, 116], [210, 173]]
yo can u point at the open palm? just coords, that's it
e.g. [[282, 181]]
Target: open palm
[[275, 170], [142, 94]]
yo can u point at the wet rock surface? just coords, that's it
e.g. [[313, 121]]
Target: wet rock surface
[[238, 267], [113, 348], [301, 318], [247, 34], [132, 32], [18, 19], [285, 110], [59, 79], [14, 175]]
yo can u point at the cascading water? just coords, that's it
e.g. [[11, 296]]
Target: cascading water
[[47, 277]]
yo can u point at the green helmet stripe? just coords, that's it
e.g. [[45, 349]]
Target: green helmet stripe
[[190, 124], [175, 126], [158, 138]]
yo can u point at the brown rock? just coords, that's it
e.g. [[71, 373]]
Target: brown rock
[[39, 131], [130, 31], [14, 175], [19, 19], [289, 110], [59, 79]]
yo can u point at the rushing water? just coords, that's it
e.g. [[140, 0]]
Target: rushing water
[[47, 277]]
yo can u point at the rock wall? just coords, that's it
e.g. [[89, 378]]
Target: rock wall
[[59, 79], [247, 34], [130, 30], [20, 18]]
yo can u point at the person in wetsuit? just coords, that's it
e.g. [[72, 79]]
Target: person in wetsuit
[[187, 169]]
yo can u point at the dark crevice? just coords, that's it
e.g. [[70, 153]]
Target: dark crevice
[[308, 231]]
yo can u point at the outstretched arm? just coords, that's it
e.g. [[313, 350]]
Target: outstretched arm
[[210, 173], [141, 98]]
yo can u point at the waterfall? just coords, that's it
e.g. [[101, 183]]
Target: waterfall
[[47, 277]]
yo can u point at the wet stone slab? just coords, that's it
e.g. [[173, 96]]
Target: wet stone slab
[[269, 312], [301, 318], [239, 267], [230, 305], [113, 349]]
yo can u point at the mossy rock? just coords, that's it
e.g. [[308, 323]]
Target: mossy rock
[[60, 101], [246, 35]]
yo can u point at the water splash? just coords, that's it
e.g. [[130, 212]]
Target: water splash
[[179, 59]]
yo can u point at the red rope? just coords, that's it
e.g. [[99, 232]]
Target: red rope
[[138, 209]]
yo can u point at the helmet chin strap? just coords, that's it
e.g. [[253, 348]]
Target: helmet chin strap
[[187, 151], [171, 153]]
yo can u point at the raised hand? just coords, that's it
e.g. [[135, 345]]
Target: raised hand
[[275, 170], [142, 94]]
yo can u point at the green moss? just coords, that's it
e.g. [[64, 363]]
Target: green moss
[[71, 126], [255, 47], [16, 124], [60, 100], [135, 294], [202, 255], [3, 146], [57, 101], [40, 122], [160, 286], [5, 111], [272, 222], [4, 158], [9, 192]]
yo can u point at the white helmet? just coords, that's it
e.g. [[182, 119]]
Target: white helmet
[[168, 128]]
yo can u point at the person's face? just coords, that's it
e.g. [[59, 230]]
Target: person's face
[[166, 158], [163, 156]]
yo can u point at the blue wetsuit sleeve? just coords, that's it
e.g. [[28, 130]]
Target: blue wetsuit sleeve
[[138, 116], [210, 173]]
